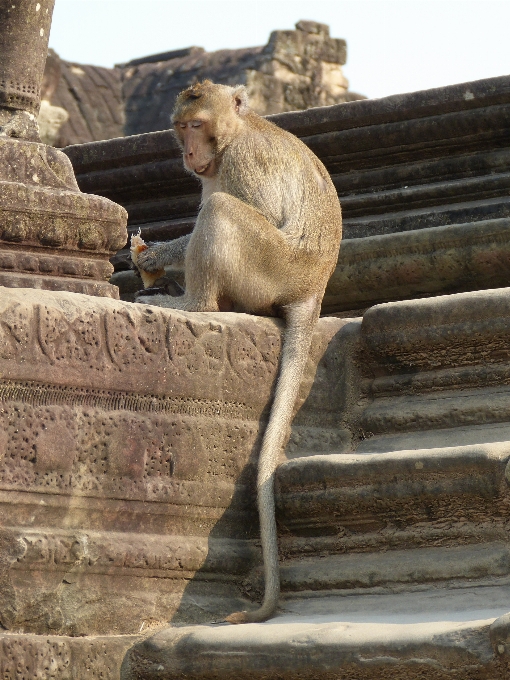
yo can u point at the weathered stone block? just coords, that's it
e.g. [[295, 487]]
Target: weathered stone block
[[128, 448], [62, 658]]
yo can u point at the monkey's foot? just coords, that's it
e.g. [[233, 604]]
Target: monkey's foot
[[171, 289], [150, 292], [19, 125], [167, 301]]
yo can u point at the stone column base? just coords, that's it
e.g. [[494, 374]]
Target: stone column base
[[51, 235]]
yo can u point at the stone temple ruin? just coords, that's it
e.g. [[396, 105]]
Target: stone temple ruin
[[129, 433], [295, 70]]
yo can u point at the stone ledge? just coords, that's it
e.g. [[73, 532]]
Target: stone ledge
[[89, 287], [437, 635]]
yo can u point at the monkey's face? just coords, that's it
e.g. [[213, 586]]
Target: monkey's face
[[198, 145], [206, 118]]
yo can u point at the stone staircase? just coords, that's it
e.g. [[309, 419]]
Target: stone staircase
[[395, 558], [129, 434]]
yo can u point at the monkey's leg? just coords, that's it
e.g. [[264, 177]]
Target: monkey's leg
[[199, 251], [224, 259], [235, 255]]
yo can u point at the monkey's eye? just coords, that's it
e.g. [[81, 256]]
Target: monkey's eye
[[181, 125], [196, 123]]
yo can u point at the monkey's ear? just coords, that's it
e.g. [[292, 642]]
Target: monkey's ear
[[240, 97]]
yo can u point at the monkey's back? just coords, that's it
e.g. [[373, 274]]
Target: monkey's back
[[274, 172]]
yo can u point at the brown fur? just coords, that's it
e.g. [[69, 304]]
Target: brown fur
[[265, 242]]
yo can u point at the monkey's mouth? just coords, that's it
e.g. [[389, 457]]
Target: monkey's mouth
[[203, 170]]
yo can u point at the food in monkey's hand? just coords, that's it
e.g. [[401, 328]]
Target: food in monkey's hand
[[138, 245]]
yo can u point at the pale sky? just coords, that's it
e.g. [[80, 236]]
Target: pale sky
[[393, 46]]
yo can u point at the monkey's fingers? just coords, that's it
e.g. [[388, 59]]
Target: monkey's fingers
[[147, 260]]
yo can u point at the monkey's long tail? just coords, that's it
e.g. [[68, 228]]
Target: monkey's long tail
[[300, 323]]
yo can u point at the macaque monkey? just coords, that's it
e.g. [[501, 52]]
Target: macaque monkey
[[265, 242]]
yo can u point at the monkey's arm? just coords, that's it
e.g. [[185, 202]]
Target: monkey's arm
[[159, 255]]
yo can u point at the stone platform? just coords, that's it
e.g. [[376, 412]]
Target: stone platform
[[128, 443]]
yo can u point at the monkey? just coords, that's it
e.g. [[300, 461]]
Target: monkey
[[265, 242]]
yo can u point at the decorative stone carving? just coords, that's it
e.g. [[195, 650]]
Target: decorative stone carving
[[52, 236], [62, 658], [128, 441]]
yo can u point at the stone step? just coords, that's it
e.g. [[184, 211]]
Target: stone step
[[394, 519], [379, 144], [443, 193], [437, 410], [397, 569], [395, 219], [425, 261], [467, 435], [436, 634], [461, 331], [417, 170], [436, 365], [351, 495]]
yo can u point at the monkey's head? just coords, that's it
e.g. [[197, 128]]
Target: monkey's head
[[206, 117]]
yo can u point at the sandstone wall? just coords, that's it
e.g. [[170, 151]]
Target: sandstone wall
[[128, 443]]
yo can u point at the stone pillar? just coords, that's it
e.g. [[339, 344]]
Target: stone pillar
[[24, 32], [51, 235]]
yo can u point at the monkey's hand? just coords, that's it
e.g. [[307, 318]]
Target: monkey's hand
[[161, 255], [150, 260]]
